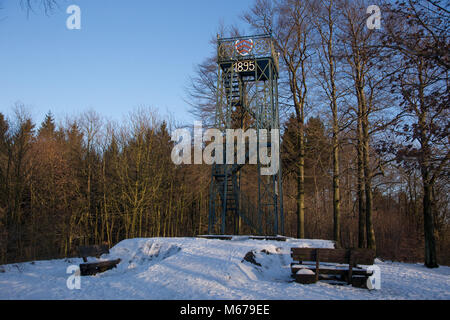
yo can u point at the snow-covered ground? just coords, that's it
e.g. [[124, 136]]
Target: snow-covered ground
[[194, 268]]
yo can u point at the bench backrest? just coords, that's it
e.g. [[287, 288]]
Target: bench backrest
[[93, 251], [358, 256]]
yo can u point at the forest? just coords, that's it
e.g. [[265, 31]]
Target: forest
[[365, 144]]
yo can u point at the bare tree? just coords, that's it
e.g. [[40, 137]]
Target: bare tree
[[325, 22], [288, 21], [418, 36], [47, 5]]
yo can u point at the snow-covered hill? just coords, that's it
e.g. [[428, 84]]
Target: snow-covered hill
[[194, 268]]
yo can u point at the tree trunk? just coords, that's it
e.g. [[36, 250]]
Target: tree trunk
[[430, 241], [300, 210], [360, 186], [334, 110], [336, 192], [425, 166], [367, 183], [301, 181]]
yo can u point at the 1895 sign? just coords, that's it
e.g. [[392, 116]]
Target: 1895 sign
[[244, 66]]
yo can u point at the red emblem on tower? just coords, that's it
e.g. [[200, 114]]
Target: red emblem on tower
[[244, 47]]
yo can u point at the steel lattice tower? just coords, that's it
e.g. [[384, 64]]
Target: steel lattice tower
[[247, 97]]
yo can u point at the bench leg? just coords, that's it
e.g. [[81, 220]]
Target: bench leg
[[350, 268], [317, 265]]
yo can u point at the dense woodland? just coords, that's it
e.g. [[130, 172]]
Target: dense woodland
[[365, 144]]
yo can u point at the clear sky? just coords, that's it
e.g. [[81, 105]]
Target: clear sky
[[127, 54]]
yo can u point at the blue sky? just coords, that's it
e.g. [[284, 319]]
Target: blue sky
[[127, 54]]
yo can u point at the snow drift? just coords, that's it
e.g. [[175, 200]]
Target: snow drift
[[196, 268]]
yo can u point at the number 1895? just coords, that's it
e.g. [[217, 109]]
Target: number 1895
[[244, 66]]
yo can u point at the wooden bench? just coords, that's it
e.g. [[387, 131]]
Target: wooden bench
[[332, 264], [91, 268]]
